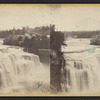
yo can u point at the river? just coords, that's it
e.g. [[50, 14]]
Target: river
[[21, 72], [82, 67]]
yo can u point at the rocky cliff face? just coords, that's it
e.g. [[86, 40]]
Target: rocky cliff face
[[56, 59], [95, 40]]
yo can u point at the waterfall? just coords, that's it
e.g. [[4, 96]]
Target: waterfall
[[17, 65], [81, 73]]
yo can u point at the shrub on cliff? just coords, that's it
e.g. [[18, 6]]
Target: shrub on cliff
[[36, 42], [12, 40], [56, 40]]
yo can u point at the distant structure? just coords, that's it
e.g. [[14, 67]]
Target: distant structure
[[13, 30], [29, 32], [75, 36]]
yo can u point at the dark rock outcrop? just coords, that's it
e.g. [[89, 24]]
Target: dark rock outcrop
[[95, 40], [56, 59]]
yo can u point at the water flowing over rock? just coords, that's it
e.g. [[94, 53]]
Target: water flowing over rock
[[81, 73], [17, 66]]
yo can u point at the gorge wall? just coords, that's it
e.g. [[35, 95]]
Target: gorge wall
[[56, 59]]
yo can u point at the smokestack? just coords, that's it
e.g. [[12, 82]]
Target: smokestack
[[13, 30]]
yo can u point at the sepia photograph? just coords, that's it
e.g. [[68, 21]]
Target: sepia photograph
[[75, 50], [24, 50], [49, 49]]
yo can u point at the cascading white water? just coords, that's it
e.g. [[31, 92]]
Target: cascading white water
[[16, 62], [17, 67], [82, 72]]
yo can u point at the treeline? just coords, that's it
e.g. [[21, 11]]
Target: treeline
[[24, 41], [43, 30], [81, 34], [37, 38], [6, 33]]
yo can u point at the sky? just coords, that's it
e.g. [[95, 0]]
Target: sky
[[65, 18], [19, 16]]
